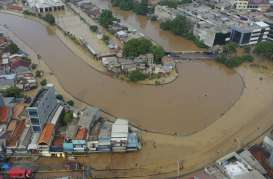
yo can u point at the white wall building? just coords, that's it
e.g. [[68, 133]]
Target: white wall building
[[45, 6]]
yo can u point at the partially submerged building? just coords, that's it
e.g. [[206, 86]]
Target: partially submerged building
[[46, 6]]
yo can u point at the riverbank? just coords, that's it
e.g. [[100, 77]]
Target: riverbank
[[86, 20], [248, 118]]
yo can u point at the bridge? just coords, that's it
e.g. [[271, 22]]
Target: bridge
[[192, 55]]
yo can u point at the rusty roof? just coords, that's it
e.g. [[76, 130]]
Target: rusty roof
[[47, 134], [82, 134], [4, 114], [20, 126], [17, 110], [12, 125]]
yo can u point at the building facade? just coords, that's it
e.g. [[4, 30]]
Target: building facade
[[248, 35], [41, 108]]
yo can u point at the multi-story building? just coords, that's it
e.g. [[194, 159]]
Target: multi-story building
[[249, 34], [42, 107], [241, 4]]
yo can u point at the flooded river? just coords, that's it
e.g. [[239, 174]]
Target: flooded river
[[150, 29], [203, 91]]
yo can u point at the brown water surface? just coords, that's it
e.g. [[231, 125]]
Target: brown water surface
[[150, 29], [203, 91]]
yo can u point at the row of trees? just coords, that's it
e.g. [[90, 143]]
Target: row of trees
[[181, 26], [140, 8], [139, 46], [265, 49]]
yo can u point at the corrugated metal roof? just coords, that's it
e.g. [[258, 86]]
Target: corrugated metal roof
[[120, 129], [47, 134]]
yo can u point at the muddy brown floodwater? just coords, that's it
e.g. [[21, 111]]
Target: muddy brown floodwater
[[149, 28], [203, 91]]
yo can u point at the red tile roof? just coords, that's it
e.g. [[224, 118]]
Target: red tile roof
[[47, 134], [12, 126], [58, 141], [82, 134], [17, 110], [13, 140], [4, 114]]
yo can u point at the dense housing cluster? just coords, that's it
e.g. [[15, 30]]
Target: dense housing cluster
[[222, 23]]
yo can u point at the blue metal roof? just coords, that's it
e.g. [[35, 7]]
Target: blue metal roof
[[78, 142]]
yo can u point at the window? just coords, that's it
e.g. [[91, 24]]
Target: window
[[36, 128], [34, 121], [33, 113]]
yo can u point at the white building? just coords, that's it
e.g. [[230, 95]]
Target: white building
[[241, 4], [119, 135], [45, 6]]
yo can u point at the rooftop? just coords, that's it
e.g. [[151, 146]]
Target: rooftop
[[47, 134], [81, 134], [120, 129], [4, 114], [35, 102], [44, 3], [89, 115]]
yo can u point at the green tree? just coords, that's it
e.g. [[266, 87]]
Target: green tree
[[158, 53], [38, 74], [141, 8], [136, 47], [43, 82], [70, 103], [12, 48], [49, 18], [230, 49], [67, 117], [106, 18], [123, 4], [13, 92], [180, 25], [93, 28], [60, 97], [136, 76], [264, 49], [105, 38]]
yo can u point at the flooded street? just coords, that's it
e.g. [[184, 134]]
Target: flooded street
[[150, 29], [202, 93]]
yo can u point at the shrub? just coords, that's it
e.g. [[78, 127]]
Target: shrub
[[43, 82], [70, 103], [59, 97], [49, 18], [38, 74], [136, 76], [13, 92], [93, 28]]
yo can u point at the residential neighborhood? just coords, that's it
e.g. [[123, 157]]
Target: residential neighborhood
[[136, 89]]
